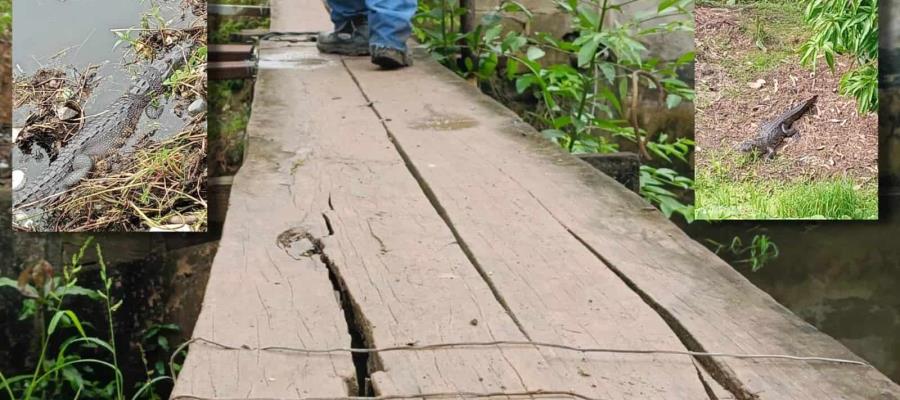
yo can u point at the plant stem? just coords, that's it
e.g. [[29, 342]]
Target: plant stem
[[589, 82]]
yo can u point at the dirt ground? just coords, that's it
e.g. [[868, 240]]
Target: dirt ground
[[835, 140]]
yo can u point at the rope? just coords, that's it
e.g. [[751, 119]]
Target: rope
[[555, 394], [497, 343], [524, 343]]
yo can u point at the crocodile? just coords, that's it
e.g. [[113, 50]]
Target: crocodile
[[773, 132], [105, 134]]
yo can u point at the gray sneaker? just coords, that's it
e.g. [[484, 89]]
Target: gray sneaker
[[389, 58], [351, 39]]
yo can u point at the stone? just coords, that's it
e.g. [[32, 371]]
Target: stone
[[197, 107], [18, 179], [66, 112]]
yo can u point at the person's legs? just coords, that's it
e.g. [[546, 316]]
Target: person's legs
[[351, 30], [390, 24], [342, 11]]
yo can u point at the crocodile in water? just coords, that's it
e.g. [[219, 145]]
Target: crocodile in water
[[103, 135], [772, 133]]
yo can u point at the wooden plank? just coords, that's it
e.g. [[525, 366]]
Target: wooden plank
[[261, 292], [555, 288], [407, 279], [299, 16], [230, 52], [222, 70], [232, 10], [711, 306]]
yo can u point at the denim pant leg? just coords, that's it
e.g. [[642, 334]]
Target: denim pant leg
[[343, 10], [390, 22]]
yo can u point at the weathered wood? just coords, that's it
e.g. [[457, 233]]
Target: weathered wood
[[557, 290], [491, 163], [230, 52], [407, 279], [232, 10], [260, 292], [222, 70]]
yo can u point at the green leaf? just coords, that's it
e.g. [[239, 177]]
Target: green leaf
[[534, 53], [70, 318], [664, 4], [553, 134], [524, 82], [588, 51], [673, 100]]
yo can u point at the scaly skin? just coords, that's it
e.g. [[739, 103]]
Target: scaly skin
[[105, 134], [772, 133]]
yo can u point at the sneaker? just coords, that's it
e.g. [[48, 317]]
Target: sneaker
[[351, 39], [389, 58]]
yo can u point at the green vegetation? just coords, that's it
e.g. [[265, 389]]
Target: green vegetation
[[223, 28], [5, 16], [229, 100], [847, 27], [760, 251], [721, 196], [589, 101], [75, 362]]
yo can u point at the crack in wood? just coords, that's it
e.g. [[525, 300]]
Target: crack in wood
[[720, 373], [436, 204], [360, 335]]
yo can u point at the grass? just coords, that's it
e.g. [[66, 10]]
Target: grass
[[720, 196], [224, 27], [229, 100], [775, 27]]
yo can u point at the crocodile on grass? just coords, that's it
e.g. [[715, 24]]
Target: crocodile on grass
[[772, 133], [105, 134]]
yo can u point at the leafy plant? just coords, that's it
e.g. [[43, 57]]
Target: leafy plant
[[79, 365], [760, 251], [846, 27], [589, 104]]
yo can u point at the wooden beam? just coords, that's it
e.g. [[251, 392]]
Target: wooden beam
[[232, 10], [230, 70], [494, 175], [230, 52]]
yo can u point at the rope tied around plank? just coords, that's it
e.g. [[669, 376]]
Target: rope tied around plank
[[493, 344], [522, 343]]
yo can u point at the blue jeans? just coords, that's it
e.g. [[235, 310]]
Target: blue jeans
[[389, 20]]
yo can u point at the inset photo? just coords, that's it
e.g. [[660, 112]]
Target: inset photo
[[109, 116], [786, 110]]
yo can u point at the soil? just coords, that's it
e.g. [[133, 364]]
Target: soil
[[835, 140]]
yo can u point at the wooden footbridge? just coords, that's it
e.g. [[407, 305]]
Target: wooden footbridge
[[406, 213]]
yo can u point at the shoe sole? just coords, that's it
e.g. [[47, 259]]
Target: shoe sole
[[388, 62], [344, 50]]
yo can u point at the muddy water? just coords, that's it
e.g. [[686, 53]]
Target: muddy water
[[842, 277], [81, 36]]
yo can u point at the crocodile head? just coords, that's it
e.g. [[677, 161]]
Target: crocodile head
[[161, 68], [176, 56]]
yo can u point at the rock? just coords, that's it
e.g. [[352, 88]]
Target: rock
[[171, 228], [197, 107], [18, 179], [758, 84], [23, 220], [66, 112]]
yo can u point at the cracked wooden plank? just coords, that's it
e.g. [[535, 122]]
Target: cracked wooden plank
[[556, 290], [482, 161], [260, 292], [407, 279]]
